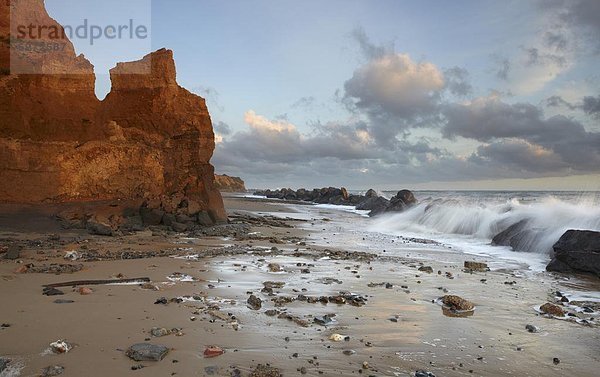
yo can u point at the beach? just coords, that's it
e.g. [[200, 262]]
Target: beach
[[315, 273]]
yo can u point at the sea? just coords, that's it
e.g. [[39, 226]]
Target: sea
[[466, 221]]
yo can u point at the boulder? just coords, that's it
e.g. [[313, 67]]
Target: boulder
[[179, 227], [371, 193], [96, 227], [151, 216], [403, 200], [577, 251], [204, 219], [345, 194], [520, 236], [376, 205]]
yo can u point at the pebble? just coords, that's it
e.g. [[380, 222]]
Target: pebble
[[52, 292], [85, 291], [53, 370], [63, 301], [61, 346], [147, 352], [213, 351], [532, 328], [254, 302]]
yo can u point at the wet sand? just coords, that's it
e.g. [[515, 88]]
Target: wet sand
[[400, 329]]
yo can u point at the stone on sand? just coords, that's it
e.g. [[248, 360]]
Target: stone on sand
[[147, 352], [457, 303], [552, 309]]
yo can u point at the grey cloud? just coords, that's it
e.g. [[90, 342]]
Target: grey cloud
[[503, 68], [490, 120], [222, 128], [394, 93], [390, 95], [555, 40], [211, 95], [591, 105], [518, 155], [367, 48], [558, 101], [535, 57], [304, 103], [582, 16], [457, 81]]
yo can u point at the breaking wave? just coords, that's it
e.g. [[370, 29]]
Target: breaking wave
[[547, 218]]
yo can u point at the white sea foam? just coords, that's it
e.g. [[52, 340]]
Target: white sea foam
[[548, 218], [343, 208]]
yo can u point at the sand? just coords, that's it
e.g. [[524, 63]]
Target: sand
[[400, 329]]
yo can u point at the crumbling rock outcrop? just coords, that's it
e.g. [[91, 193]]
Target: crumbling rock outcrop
[[371, 201], [225, 183], [150, 139]]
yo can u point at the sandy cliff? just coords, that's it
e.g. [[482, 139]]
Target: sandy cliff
[[149, 139], [226, 183]]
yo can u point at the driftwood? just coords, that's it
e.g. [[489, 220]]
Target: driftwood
[[96, 282]]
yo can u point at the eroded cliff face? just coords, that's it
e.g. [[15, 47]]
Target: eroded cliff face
[[149, 139], [225, 183]]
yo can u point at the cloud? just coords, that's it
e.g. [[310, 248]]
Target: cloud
[[211, 95], [518, 156], [502, 69], [558, 101], [457, 81], [222, 128], [581, 16], [280, 141], [304, 103], [488, 119], [367, 48], [591, 105], [397, 85], [392, 98]]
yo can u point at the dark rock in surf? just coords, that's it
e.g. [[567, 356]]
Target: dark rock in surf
[[403, 200], [371, 194], [376, 205], [520, 236], [577, 251]]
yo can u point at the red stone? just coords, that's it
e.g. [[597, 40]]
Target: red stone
[[213, 351]]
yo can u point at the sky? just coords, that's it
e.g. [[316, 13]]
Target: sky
[[383, 94]]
